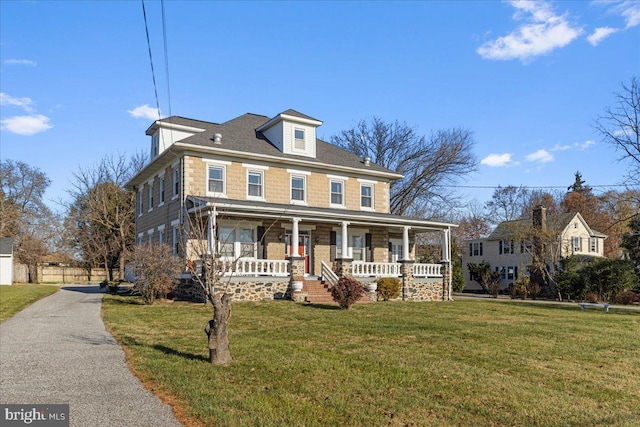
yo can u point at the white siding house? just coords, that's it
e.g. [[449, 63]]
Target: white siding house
[[6, 261]]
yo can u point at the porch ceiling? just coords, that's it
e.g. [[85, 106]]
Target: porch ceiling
[[256, 209]]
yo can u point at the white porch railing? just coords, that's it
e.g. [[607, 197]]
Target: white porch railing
[[427, 270], [256, 267], [375, 269], [328, 275]]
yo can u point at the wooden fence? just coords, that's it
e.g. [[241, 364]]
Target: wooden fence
[[59, 274]]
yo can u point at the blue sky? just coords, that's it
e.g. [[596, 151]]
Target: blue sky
[[528, 78]]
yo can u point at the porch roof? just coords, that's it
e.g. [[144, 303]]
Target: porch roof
[[255, 209]]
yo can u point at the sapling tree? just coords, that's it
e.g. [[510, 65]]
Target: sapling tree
[[489, 280], [205, 245]]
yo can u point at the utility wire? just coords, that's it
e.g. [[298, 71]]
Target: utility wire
[[523, 186], [153, 73], [166, 55]]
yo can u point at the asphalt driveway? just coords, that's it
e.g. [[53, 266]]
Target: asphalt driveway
[[58, 351]]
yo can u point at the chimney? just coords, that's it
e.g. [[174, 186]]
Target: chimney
[[217, 138], [540, 218]]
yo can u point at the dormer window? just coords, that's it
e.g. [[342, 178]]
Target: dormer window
[[155, 145], [298, 139]]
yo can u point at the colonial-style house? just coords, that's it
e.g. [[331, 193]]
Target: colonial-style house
[[285, 208], [509, 253]]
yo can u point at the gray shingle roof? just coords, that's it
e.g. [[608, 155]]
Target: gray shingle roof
[[295, 113], [240, 135], [559, 222]]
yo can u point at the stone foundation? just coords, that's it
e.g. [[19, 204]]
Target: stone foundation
[[242, 289], [424, 290]]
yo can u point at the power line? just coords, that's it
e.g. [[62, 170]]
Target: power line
[[153, 73], [523, 186]]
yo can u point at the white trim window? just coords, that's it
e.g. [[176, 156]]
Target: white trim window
[[140, 202], [298, 140], [298, 189], [236, 242], [255, 185], [150, 197], [475, 249], [140, 236], [175, 239], [593, 244], [155, 145], [336, 187], [505, 247], [176, 182], [576, 244], [161, 191], [216, 182], [366, 197], [509, 273], [161, 236]]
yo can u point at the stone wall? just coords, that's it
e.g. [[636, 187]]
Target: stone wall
[[424, 290], [242, 289]]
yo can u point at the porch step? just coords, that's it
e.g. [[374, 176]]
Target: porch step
[[318, 292]]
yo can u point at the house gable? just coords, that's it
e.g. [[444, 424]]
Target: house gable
[[292, 133]]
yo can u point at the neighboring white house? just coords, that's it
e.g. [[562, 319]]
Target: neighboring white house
[[6, 261], [512, 258]]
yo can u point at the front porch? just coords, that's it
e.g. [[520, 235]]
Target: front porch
[[286, 247]]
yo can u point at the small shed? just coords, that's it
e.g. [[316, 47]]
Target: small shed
[[6, 261]]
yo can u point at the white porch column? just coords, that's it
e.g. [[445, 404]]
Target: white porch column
[[295, 238], [405, 243], [211, 224], [345, 240], [446, 242]]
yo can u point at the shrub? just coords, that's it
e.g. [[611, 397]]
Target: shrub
[[494, 289], [625, 297], [388, 288], [591, 297], [522, 286], [156, 270], [534, 290], [346, 292]]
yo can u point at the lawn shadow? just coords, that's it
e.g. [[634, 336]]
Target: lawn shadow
[[323, 306], [125, 299], [174, 352], [85, 289]]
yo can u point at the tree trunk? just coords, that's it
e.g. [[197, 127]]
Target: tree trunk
[[216, 330]]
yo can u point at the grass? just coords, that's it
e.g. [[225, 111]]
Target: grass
[[467, 363], [14, 298]]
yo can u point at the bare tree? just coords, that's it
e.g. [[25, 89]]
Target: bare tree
[[23, 214], [506, 203], [619, 126], [102, 213], [203, 249], [429, 165]]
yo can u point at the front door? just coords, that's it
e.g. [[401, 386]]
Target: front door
[[304, 248]]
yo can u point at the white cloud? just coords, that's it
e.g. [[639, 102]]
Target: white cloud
[[541, 156], [600, 34], [145, 112], [561, 147], [584, 145], [630, 11], [20, 62], [543, 32], [24, 103], [498, 160], [26, 125]]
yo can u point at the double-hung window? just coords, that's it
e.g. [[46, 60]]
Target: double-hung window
[[255, 185], [337, 193], [475, 249], [216, 179], [366, 196], [150, 197], [140, 204], [161, 191], [505, 247], [176, 181], [298, 184], [593, 244], [576, 242], [298, 140], [236, 242], [175, 242]]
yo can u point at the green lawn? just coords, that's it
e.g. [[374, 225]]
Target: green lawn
[[16, 297], [468, 363]]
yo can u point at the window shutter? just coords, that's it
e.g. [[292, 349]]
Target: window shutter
[[480, 248], [332, 247], [515, 272], [262, 246], [369, 245], [470, 249]]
